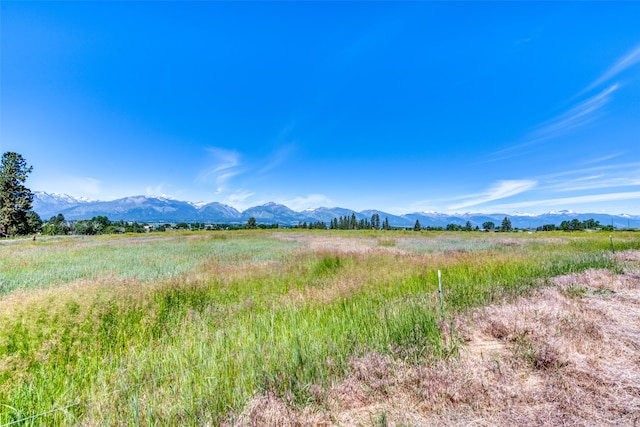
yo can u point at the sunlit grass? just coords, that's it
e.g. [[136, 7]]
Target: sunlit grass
[[185, 329], [144, 258]]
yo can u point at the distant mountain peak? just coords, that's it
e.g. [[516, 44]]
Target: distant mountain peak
[[198, 205], [62, 196], [166, 209], [522, 214], [562, 212], [160, 197]]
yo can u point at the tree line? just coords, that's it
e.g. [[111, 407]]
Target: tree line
[[349, 223], [57, 225]]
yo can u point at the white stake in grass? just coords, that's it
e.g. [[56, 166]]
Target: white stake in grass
[[440, 293]]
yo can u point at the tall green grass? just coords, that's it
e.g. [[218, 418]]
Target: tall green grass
[[193, 347], [145, 258]]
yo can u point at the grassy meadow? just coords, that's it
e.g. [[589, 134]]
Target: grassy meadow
[[186, 328]]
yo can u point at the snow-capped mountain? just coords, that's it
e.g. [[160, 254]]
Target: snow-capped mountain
[[161, 209], [136, 208], [50, 204], [218, 212]]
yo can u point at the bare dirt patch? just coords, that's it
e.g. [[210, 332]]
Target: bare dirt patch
[[568, 355]]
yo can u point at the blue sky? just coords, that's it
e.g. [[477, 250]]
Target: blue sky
[[403, 107]]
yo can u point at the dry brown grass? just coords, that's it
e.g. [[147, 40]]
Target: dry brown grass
[[568, 355], [339, 244]]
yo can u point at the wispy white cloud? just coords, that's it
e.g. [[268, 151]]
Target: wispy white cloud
[[307, 202], [156, 190], [225, 166], [630, 59], [499, 190], [238, 199], [592, 183], [601, 159], [609, 176], [279, 157], [577, 116], [566, 202], [620, 167], [523, 41]]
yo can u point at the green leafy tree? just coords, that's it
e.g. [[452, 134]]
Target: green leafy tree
[[34, 222], [386, 225], [576, 225], [252, 224], [56, 225], [134, 227], [83, 227], [100, 224], [468, 226], [15, 198], [590, 224], [489, 225]]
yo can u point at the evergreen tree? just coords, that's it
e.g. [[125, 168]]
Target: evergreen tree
[[15, 198], [252, 224], [385, 225], [417, 226], [375, 221], [34, 222], [506, 224]]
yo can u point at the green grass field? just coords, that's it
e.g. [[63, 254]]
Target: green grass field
[[185, 328]]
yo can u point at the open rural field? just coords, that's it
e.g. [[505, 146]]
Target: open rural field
[[321, 328]]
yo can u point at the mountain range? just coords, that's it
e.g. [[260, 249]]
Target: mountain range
[[153, 209]]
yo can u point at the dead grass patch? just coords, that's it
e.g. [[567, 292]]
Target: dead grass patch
[[552, 358]]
